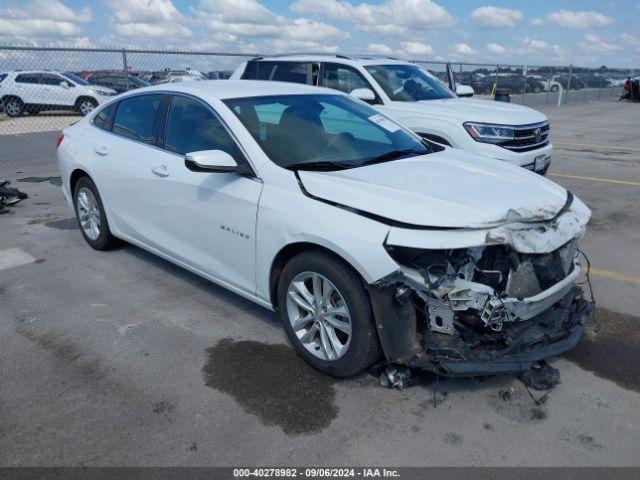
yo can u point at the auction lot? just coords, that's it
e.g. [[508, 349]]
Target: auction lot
[[120, 358]]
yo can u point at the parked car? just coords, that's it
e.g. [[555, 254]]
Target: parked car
[[118, 82], [415, 98], [35, 91], [166, 76], [576, 82], [367, 240]]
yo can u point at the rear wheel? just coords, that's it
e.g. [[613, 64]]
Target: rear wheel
[[92, 219], [326, 313], [13, 107]]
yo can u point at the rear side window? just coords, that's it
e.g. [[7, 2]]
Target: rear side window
[[104, 116], [192, 127], [48, 79], [294, 72], [28, 78], [135, 117], [2, 76]]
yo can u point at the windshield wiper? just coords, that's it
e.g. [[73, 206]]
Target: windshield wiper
[[320, 166], [392, 155]]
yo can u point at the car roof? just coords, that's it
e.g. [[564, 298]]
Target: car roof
[[343, 59], [224, 89]]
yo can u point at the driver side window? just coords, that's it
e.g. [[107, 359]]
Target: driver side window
[[343, 78]]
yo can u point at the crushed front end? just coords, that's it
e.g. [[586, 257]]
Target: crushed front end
[[484, 310]]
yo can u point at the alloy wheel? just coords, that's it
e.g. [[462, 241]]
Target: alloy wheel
[[88, 213], [12, 108], [86, 107], [319, 316]]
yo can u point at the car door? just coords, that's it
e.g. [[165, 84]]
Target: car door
[[57, 90], [344, 78], [204, 219], [27, 87], [122, 163]]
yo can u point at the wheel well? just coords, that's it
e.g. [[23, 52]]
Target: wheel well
[[290, 251], [75, 176], [9, 97], [85, 97]]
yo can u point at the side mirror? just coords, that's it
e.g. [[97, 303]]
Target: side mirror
[[210, 161], [464, 91], [65, 84], [364, 94]]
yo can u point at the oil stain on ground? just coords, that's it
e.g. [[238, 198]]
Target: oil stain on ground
[[273, 383], [64, 224], [614, 352]]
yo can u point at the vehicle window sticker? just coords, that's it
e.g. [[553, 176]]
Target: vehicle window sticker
[[385, 123]]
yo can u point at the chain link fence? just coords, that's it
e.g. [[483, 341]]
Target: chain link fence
[[44, 89]]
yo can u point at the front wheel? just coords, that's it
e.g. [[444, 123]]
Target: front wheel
[[326, 313], [92, 219]]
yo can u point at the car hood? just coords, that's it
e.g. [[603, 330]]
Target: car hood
[[451, 188], [469, 110]]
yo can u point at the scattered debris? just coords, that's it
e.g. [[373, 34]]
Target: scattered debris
[[395, 377], [541, 376], [507, 395], [9, 195]]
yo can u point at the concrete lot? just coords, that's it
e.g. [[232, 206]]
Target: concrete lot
[[120, 358]]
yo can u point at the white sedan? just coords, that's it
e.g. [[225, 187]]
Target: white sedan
[[369, 242]]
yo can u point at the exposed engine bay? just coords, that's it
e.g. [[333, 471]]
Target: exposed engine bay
[[481, 310]]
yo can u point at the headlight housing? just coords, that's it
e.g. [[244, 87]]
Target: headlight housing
[[490, 133]]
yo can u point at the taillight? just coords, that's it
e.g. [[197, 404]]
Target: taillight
[[59, 140]]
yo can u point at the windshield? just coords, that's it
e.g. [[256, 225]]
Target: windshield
[[75, 78], [408, 83], [323, 131]]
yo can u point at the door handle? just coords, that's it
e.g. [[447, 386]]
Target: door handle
[[161, 170], [101, 150]]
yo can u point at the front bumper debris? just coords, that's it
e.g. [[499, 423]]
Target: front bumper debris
[[481, 311]]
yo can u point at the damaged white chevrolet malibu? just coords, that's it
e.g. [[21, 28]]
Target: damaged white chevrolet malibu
[[368, 241]]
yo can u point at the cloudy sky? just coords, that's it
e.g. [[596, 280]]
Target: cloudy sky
[[588, 32]]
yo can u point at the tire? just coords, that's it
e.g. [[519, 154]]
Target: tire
[[13, 107], [90, 210], [84, 106], [554, 88], [362, 348], [537, 89]]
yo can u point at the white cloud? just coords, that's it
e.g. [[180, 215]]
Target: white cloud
[[631, 40], [594, 45], [244, 23], [417, 48], [148, 18], [570, 19], [392, 17], [495, 49], [43, 18], [536, 22], [379, 49], [497, 16], [535, 46], [463, 49]]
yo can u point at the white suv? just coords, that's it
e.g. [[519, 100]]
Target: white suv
[[34, 91], [415, 98]]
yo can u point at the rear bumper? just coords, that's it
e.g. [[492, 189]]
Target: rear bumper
[[553, 332]]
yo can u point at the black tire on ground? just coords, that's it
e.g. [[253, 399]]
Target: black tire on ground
[[13, 107], [554, 88], [364, 348], [105, 240], [537, 89], [85, 106]]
